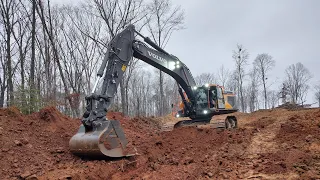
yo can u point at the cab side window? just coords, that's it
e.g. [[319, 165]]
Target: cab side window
[[219, 93]]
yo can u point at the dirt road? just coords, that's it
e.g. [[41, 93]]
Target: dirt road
[[277, 144]]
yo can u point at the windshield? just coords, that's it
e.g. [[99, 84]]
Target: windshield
[[201, 98]]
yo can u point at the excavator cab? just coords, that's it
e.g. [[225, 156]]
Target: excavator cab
[[210, 100]]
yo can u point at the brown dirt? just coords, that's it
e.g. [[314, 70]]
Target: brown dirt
[[269, 144]]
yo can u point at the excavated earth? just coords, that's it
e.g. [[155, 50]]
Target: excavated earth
[[269, 144]]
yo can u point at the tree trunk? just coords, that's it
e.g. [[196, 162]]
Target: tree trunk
[[22, 72], [47, 64], [23, 95], [32, 63], [242, 100], [241, 92], [138, 106], [123, 94], [9, 68], [161, 94], [3, 90], [265, 91]]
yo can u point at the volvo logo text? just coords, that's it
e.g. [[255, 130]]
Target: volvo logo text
[[157, 57]]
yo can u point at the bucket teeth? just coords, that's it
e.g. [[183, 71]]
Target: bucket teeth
[[106, 140]]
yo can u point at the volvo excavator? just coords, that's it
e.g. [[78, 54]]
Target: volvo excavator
[[100, 137]]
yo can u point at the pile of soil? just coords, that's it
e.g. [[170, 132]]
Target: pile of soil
[[277, 144], [300, 141], [291, 106], [34, 143]]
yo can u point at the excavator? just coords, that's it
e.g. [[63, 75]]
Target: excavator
[[100, 137]]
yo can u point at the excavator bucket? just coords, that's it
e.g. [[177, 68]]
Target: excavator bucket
[[108, 139]]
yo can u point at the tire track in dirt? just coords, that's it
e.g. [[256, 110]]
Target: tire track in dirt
[[264, 142]]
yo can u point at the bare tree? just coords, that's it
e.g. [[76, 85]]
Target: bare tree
[[273, 98], [21, 35], [232, 82], [205, 78], [223, 75], [162, 21], [116, 14], [253, 90], [317, 94], [47, 23], [297, 79], [240, 57], [8, 18], [264, 63], [3, 83], [33, 53]]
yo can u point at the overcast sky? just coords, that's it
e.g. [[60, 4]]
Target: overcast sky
[[288, 30]]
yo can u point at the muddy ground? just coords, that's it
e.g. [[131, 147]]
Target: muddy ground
[[269, 144]]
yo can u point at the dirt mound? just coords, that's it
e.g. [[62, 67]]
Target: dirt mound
[[11, 112], [300, 139], [50, 114], [292, 106], [187, 153], [38, 143], [35, 142]]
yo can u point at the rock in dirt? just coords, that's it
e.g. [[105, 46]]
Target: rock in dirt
[[15, 165], [24, 141], [155, 166], [5, 150], [60, 150], [17, 142], [188, 160], [210, 174], [65, 177], [32, 177], [309, 138], [25, 174], [224, 176]]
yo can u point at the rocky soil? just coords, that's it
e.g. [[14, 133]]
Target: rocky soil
[[269, 144]]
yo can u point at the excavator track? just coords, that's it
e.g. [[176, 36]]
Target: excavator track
[[219, 122]]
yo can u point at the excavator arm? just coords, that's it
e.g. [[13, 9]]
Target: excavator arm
[[98, 136], [121, 51]]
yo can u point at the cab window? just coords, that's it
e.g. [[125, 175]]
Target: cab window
[[219, 93]]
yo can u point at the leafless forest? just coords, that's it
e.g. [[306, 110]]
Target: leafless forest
[[50, 54]]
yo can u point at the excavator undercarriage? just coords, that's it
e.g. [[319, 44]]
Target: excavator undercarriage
[[100, 137]]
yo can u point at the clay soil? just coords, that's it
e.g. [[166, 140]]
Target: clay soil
[[269, 144]]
